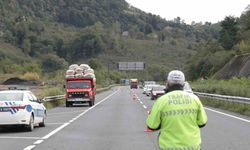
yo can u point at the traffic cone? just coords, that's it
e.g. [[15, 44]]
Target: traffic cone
[[134, 97], [148, 130]]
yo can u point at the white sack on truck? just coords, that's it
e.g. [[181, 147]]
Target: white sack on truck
[[73, 67], [89, 71], [89, 75], [79, 75], [78, 70], [84, 66], [70, 72]]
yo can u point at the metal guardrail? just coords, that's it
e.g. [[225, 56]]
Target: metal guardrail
[[244, 100], [58, 97], [53, 98]]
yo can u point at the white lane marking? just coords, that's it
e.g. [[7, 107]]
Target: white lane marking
[[29, 147], [55, 131], [245, 120], [141, 102], [56, 123], [28, 138], [38, 142], [68, 123], [144, 106]]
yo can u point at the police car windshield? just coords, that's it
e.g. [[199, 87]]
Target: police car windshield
[[11, 96], [79, 85]]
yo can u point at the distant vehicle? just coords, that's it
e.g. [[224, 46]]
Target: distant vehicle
[[133, 83], [125, 81], [187, 87], [149, 88], [80, 90], [157, 91], [149, 83], [21, 107], [145, 88]]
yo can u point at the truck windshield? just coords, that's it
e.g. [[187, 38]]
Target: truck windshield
[[79, 85]]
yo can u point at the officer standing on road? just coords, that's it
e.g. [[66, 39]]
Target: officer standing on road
[[178, 115]]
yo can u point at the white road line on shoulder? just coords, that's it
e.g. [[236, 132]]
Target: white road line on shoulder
[[55, 131], [141, 102], [29, 147], [235, 117], [144, 106], [25, 138], [56, 123], [68, 123], [38, 142]]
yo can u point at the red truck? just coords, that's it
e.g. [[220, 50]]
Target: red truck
[[133, 83], [80, 90]]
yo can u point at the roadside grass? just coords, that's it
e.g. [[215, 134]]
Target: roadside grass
[[232, 87], [51, 91], [240, 108]]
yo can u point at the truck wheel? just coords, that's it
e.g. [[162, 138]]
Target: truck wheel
[[92, 102], [68, 104]]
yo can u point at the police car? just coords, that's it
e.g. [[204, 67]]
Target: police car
[[21, 107]]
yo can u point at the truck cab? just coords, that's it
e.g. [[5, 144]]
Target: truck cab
[[133, 83], [80, 90]]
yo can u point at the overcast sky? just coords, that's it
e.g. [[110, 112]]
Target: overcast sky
[[193, 10]]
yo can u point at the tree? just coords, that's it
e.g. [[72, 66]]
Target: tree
[[210, 58], [51, 63], [26, 46], [95, 64], [89, 44], [148, 29], [21, 32], [228, 34], [245, 19]]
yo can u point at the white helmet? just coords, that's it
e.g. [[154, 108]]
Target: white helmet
[[176, 77]]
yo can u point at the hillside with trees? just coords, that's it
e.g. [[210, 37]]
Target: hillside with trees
[[42, 37], [233, 41]]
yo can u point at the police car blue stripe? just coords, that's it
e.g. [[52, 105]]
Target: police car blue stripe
[[14, 110], [11, 109]]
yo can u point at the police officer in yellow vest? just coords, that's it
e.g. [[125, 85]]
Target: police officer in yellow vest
[[178, 115]]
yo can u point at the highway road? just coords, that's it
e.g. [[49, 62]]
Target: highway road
[[117, 122]]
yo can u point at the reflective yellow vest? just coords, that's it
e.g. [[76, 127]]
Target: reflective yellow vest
[[178, 114]]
